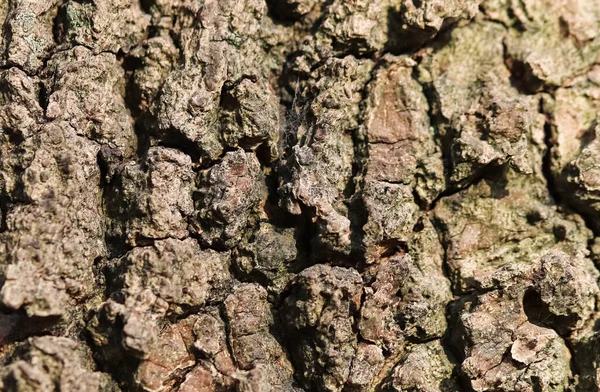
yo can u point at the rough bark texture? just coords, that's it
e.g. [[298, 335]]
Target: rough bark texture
[[299, 195]]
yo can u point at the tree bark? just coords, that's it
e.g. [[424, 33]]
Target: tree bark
[[299, 195]]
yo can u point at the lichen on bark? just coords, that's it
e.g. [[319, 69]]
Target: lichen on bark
[[299, 195]]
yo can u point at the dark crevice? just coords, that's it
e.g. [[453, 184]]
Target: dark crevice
[[57, 24], [100, 271], [216, 245], [175, 139], [441, 231], [262, 152], [393, 247], [521, 75], [304, 241], [133, 100], [547, 161], [43, 96], [10, 66], [539, 313], [358, 219], [147, 5], [3, 217], [483, 174], [6, 36], [281, 13], [188, 311], [16, 326], [143, 136], [111, 358], [116, 246], [5, 31], [487, 18], [248, 277], [400, 44], [109, 161], [443, 134], [278, 216], [576, 368]]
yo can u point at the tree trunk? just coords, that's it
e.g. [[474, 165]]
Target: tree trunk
[[299, 195]]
